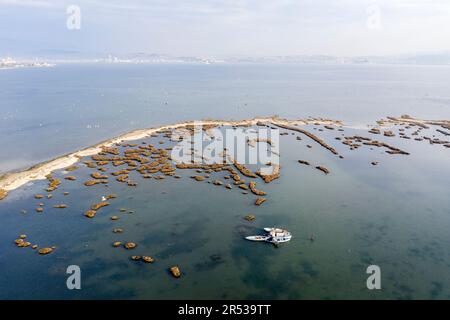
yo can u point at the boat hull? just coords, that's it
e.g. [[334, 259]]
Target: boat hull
[[257, 238]]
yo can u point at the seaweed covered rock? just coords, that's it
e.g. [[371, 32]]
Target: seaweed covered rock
[[176, 272], [244, 170], [260, 201], [255, 191], [323, 169], [99, 205], [99, 176], [90, 213], [243, 186], [45, 251], [130, 245], [54, 183], [3, 194], [148, 259], [94, 182], [270, 177]]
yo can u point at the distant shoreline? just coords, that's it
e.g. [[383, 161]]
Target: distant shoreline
[[27, 65]]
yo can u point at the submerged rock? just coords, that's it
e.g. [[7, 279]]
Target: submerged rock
[[60, 206], [38, 196], [118, 230], [131, 183], [250, 217], [71, 178], [114, 218]]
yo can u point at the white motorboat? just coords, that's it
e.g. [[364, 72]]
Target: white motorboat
[[275, 236]]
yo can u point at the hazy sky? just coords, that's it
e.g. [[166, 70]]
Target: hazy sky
[[227, 27]]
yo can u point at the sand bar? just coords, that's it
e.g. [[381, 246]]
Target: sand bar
[[13, 180]]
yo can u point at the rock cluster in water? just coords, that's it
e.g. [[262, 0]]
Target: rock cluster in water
[[123, 161]]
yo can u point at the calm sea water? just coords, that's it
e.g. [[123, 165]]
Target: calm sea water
[[48, 112], [395, 215]]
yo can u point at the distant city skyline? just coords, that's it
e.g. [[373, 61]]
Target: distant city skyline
[[224, 27]]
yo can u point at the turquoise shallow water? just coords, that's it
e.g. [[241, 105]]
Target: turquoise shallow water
[[395, 215]]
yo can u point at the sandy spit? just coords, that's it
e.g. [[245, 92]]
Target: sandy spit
[[13, 180]]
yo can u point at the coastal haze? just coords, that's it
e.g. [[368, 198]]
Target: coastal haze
[[355, 191]]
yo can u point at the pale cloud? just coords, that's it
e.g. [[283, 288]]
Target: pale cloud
[[285, 27], [28, 3]]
